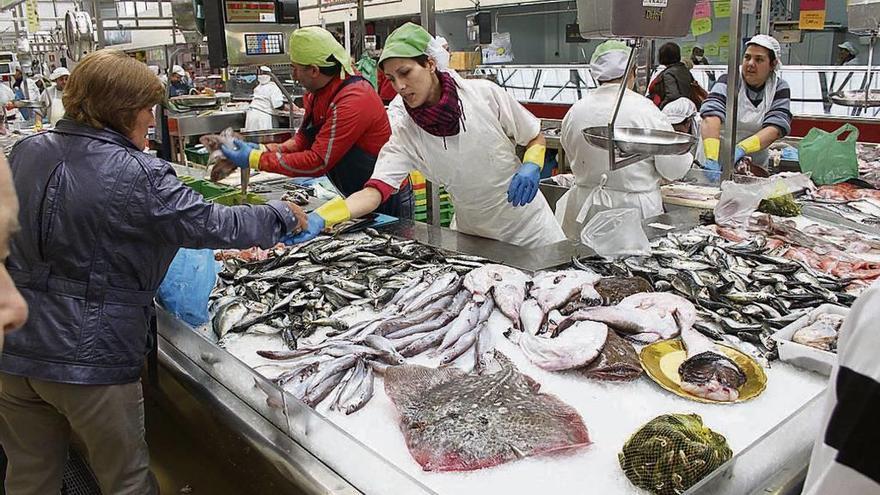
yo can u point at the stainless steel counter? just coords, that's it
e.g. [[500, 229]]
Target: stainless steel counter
[[201, 123]]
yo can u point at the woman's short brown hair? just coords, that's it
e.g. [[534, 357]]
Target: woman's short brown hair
[[107, 88]]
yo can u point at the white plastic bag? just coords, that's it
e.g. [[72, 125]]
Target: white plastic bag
[[616, 232], [738, 202]]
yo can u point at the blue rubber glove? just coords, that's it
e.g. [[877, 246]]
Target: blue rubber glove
[[313, 229], [240, 155], [738, 154], [712, 165], [524, 185]]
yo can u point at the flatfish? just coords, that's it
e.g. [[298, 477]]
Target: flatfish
[[618, 361], [615, 289], [454, 421]]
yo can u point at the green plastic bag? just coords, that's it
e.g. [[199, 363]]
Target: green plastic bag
[[828, 159], [369, 69]]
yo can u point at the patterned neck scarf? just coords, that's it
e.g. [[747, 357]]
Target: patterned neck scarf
[[442, 119]]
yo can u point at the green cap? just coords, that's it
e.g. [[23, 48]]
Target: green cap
[[407, 41], [316, 46], [609, 46]]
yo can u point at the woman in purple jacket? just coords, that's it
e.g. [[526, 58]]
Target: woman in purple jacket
[[100, 223]]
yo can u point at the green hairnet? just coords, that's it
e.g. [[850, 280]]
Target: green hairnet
[[316, 46], [407, 41]]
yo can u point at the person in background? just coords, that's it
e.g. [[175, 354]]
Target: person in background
[[13, 308], [177, 85], [698, 57], [111, 220], [344, 127], [846, 54], [25, 90], [597, 186], [267, 97], [844, 456], [763, 111], [459, 134], [684, 117], [675, 81], [51, 102]]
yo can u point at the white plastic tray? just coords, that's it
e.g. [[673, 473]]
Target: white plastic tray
[[805, 356]]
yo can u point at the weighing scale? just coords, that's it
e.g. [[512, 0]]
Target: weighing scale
[[637, 20], [863, 19]]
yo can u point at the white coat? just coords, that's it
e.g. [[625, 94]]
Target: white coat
[[267, 97], [636, 186], [476, 166]]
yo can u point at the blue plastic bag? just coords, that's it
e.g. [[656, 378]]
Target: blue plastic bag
[[188, 284]]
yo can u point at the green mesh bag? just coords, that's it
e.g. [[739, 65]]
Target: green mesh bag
[[671, 453]]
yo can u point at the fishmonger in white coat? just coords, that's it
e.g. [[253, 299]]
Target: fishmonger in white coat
[[597, 187], [267, 97], [458, 134]]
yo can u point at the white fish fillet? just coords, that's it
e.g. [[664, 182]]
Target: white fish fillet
[[507, 284], [532, 316], [577, 346]]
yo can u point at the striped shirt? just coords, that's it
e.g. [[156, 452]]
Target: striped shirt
[[779, 114], [844, 457]]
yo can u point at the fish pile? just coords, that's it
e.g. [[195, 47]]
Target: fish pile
[[844, 192], [457, 421], [295, 290], [821, 331], [869, 163], [743, 290]]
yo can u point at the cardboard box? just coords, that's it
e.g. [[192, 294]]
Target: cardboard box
[[465, 60]]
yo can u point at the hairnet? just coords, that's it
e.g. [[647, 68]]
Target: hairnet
[[407, 41], [677, 111], [316, 46], [609, 60], [848, 46], [178, 70], [438, 53], [769, 43], [59, 72]]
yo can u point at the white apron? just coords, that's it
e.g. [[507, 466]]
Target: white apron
[[750, 119], [597, 187], [56, 106], [259, 116], [476, 167]]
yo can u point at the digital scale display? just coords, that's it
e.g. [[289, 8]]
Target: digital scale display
[[264, 44], [238, 12]]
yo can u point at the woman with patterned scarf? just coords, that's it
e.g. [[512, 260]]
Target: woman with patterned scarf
[[460, 134]]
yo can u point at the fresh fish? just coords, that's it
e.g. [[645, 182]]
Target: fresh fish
[[618, 361], [440, 321], [331, 368], [394, 324], [228, 316], [349, 384], [706, 372], [361, 395], [553, 289], [532, 317], [453, 421], [509, 298], [464, 322], [481, 280], [319, 389], [461, 346], [423, 343], [612, 290], [385, 346], [577, 346], [821, 332]]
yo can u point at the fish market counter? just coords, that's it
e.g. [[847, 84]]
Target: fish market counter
[[320, 451]]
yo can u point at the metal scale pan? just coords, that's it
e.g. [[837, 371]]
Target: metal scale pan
[[635, 141]]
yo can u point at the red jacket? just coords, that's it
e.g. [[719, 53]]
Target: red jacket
[[357, 118], [386, 90]]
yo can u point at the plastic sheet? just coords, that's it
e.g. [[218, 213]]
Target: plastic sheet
[[616, 232], [188, 284]]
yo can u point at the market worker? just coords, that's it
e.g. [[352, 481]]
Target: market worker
[[267, 97], [596, 185], [177, 85], [344, 127], [100, 223], [13, 309], [844, 459], [20, 83], [846, 54], [763, 112], [458, 134], [51, 104], [684, 117]]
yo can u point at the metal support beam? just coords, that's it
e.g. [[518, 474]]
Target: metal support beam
[[765, 17], [728, 134], [429, 17], [361, 31], [429, 22]]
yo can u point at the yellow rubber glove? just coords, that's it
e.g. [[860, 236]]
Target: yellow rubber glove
[[750, 145], [333, 212], [535, 155], [254, 157], [712, 147]]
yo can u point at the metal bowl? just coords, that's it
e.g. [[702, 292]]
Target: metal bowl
[[195, 101], [856, 98], [635, 141], [267, 136]]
